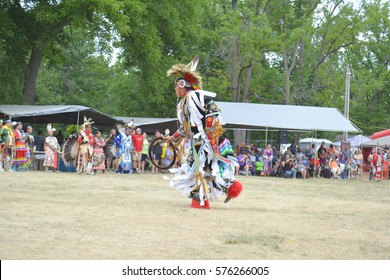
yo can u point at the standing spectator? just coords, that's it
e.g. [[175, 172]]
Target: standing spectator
[[98, 152], [346, 152], [20, 147], [110, 150], [293, 148], [60, 138], [312, 151], [267, 159], [138, 141], [3, 145], [156, 152], [8, 143], [39, 141], [29, 148], [307, 152], [51, 150], [322, 149], [145, 149]]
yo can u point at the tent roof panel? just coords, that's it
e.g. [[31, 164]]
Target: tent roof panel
[[378, 141], [289, 117], [67, 114]]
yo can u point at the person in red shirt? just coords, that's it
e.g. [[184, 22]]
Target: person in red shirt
[[136, 153]]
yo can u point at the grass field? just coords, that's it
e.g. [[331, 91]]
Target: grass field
[[69, 216]]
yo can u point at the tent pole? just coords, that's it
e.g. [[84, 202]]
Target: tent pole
[[266, 137], [78, 119], [315, 155]]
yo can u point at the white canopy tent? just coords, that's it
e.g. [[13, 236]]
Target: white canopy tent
[[66, 114], [236, 116], [355, 140], [378, 142], [150, 125], [286, 117]]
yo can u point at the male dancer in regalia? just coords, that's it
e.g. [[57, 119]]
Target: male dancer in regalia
[[208, 171]]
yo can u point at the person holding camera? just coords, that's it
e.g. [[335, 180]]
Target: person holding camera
[[288, 168]]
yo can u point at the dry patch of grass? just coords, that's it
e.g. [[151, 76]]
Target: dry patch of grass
[[70, 216]]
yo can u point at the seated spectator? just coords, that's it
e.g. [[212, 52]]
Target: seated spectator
[[351, 167], [358, 157], [277, 168], [314, 167], [288, 168], [259, 167], [287, 153], [242, 159], [334, 167], [331, 151], [326, 173], [167, 160], [301, 169], [342, 164], [299, 155]]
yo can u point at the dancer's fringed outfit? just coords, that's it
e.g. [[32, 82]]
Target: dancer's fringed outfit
[[86, 141], [209, 166], [124, 146]]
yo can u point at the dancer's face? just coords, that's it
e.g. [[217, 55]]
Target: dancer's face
[[180, 92]]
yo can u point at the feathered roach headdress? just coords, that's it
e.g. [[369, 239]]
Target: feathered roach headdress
[[49, 127], [86, 122], [187, 73]]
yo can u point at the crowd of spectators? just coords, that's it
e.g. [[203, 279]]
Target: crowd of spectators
[[326, 161]]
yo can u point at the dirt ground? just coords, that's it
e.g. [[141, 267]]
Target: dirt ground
[[60, 216]]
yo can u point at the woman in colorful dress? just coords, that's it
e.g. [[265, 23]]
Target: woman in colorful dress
[[98, 152], [20, 147], [51, 150], [29, 148], [268, 156]]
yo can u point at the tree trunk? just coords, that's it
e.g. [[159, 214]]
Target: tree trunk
[[235, 74], [248, 76], [31, 74]]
